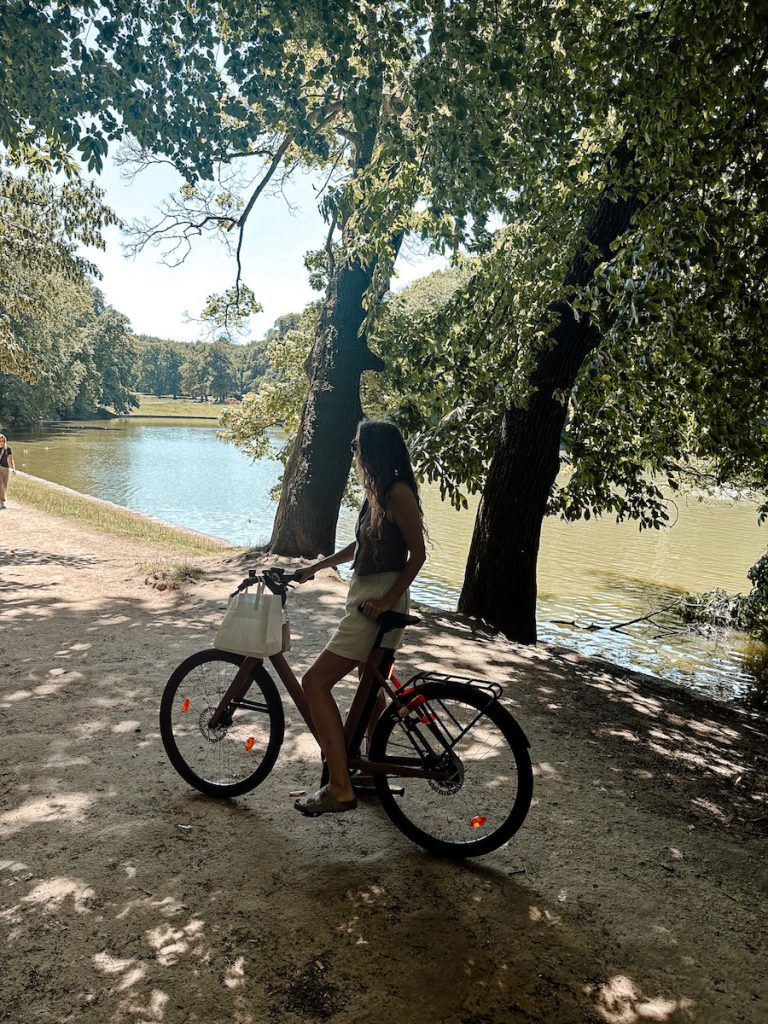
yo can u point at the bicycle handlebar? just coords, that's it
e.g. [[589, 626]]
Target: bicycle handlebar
[[275, 578]]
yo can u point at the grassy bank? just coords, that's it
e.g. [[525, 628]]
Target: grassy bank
[[182, 408], [105, 517]]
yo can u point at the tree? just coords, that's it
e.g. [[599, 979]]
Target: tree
[[219, 370], [194, 377], [318, 90], [325, 86], [54, 328], [42, 226], [279, 393], [171, 359], [114, 359], [629, 285]]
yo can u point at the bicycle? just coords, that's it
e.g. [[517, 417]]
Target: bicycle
[[450, 764]]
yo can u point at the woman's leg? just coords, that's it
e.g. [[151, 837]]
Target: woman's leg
[[3, 482], [318, 683]]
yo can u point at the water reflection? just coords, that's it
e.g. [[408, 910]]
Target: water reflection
[[589, 573]]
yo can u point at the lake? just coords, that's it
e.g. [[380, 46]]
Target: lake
[[599, 572]]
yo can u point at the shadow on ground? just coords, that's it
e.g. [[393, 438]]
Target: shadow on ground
[[129, 898]]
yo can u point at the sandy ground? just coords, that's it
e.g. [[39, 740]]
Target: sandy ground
[[633, 893]]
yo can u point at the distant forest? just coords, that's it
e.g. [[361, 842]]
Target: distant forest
[[89, 363]]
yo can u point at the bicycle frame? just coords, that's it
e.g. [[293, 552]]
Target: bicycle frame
[[374, 676]]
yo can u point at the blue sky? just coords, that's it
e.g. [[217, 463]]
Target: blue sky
[[155, 297]]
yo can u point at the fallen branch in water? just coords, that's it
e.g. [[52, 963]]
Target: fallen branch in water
[[620, 627]]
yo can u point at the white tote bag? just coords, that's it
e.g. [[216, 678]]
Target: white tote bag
[[252, 625]]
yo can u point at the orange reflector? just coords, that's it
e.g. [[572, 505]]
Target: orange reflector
[[185, 706], [250, 742], [478, 822]]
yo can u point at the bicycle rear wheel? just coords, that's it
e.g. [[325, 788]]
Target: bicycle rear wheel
[[239, 754], [486, 795]]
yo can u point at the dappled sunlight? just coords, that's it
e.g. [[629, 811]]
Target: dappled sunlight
[[234, 976], [87, 730], [721, 761], [705, 760], [110, 964], [620, 1001], [711, 809], [12, 698], [623, 734], [544, 916], [168, 906], [51, 894], [64, 807], [127, 725], [150, 1012], [171, 943]]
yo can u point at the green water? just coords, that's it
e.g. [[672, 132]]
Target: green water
[[590, 573]]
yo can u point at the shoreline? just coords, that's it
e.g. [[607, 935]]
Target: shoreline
[[476, 629], [121, 515]]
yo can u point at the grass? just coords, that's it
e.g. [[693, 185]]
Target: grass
[[172, 573], [182, 408], [95, 515]]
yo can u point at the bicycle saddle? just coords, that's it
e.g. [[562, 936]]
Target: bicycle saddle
[[396, 620]]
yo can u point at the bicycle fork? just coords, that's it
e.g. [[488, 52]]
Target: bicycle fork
[[236, 691]]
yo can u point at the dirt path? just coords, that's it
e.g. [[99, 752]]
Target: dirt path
[[633, 893]]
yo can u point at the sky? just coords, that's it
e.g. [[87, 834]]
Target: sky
[[157, 298]]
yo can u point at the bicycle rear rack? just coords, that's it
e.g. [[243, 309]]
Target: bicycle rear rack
[[494, 690]]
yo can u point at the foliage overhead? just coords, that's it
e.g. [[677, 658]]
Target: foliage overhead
[[433, 118], [538, 111], [42, 226]]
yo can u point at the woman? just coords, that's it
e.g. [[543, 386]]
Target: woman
[[6, 465], [386, 557]]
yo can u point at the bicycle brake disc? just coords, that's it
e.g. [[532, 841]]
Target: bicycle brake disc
[[455, 780]]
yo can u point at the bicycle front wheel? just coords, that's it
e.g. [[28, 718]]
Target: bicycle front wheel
[[483, 753], [241, 751]]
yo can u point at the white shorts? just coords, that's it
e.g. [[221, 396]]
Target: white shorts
[[356, 634]]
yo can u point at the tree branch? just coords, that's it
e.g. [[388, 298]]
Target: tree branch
[[275, 162]]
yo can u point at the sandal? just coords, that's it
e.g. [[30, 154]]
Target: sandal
[[323, 802]]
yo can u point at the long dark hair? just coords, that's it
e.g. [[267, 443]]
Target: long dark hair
[[384, 461]]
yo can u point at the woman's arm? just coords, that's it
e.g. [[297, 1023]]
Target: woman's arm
[[345, 555], [404, 511], [11, 463]]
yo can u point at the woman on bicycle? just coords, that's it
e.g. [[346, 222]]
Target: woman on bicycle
[[386, 556]]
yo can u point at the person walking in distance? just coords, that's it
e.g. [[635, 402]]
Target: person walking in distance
[[6, 465]]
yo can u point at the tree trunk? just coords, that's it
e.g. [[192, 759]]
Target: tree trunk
[[318, 467], [500, 579]]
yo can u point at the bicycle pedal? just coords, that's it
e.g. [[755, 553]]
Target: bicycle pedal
[[364, 788]]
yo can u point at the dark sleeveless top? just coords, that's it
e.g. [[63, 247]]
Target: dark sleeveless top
[[389, 555]]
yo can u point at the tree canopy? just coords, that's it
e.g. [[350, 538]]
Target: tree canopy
[[551, 107], [42, 227]]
